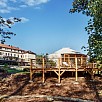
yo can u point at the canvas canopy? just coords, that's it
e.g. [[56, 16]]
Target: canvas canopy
[[58, 53]]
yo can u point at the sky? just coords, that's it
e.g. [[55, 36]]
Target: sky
[[46, 26]]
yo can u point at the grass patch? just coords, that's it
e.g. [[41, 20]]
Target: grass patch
[[13, 71]]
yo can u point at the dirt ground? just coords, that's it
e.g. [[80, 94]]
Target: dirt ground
[[19, 85]]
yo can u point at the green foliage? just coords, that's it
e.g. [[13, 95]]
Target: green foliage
[[5, 68], [47, 62], [9, 70], [92, 8], [51, 63], [6, 24], [39, 59], [13, 71]]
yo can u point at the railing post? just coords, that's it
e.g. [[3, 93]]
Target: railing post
[[93, 70], [43, 73], [59, 70], [31, 73], [76, 70]]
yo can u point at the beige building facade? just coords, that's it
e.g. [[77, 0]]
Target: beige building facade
[[16, 55]]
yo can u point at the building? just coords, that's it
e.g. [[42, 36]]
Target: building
[[14, 55], [67, 56]]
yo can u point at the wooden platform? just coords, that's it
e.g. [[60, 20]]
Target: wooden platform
[[59, 70]]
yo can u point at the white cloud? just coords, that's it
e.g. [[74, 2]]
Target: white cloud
[[23, 19], [23, 6], [4, 11], [34, 2], [5, 5], [7, 9]]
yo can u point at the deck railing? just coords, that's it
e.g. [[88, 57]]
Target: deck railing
[[59, 66]]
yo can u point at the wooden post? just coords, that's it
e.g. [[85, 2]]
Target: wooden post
[[68, 59], [31, 73], [92, 70], [81, 59], [43, 73], [58, 70], [61, 61], [76, 70], [64, 57]]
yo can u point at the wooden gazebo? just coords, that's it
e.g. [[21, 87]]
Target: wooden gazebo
[[73, 59], [73, 62]]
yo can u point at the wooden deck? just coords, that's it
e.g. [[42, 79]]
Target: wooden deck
[[59, 70]]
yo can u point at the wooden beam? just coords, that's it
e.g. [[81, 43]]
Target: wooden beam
[[81, 59], [61, 61], [76, 69], [64, 57], [68, 59], [58, 70], [43, 73], [62, 72], [31, 73]]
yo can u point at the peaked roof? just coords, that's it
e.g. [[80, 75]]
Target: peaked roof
[[15, 48], [10, 47], [67, 50]]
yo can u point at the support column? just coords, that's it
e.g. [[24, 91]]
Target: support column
[[59, 71], [43, 72], [92, 71], [61, 61], [64, 57], [81, 59], [31, 73], [68, 59], [76, 70]]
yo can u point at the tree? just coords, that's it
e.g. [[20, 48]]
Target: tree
[[93, 9], [39, 59], [6, 24], [48, 62]]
